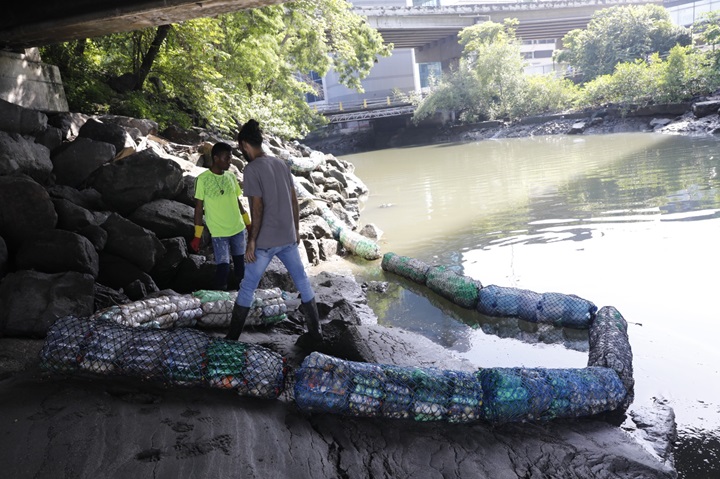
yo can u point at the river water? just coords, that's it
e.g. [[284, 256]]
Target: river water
[[627, 220]]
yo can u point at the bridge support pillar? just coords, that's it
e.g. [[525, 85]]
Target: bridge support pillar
[[26, 81]]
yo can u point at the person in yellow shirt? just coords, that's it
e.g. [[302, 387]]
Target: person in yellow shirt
[[217, 198]]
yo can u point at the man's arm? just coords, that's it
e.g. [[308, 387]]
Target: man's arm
[[256, 210], [296, 215], [198, 221]]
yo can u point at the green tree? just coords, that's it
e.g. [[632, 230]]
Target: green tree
[[223, 70], [620, 34]]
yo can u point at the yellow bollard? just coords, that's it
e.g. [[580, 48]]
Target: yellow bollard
[[364, 103], [388, 101], [340, 106]]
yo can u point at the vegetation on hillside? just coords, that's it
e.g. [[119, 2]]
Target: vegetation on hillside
[[628, 56], [216, 72]]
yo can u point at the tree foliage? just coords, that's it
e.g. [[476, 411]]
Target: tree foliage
[[223, 70], [621, 34], [489, 82]]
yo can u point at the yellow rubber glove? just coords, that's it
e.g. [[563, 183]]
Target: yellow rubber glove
[[195, 243], [246, 219]]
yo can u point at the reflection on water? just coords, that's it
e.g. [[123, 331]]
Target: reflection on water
[[628, 220]]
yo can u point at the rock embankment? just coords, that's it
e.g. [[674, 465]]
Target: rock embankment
[[97, 211]]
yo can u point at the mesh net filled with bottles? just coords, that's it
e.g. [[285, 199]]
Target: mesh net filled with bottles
[[498, 395], [409, 268], [557, 309], [355, 243], [269, 306], [181, 356]]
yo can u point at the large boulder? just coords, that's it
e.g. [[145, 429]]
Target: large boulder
[[140, 178], [20, 155], [705, 108], [166, 218], [88, 198], [17, 119], [32, 300], [116, 135], [165, 270], [132, 242], [118, 273], [25, 210], [68, 123], [144, 126], [72, 217], [75, 161], [57, 251]]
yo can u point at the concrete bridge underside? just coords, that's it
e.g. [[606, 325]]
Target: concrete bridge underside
[[42, 22]]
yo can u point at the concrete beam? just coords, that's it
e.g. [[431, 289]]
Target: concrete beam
[[48, 21], [26, 81]]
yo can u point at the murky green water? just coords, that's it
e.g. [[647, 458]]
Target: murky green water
[[628, 220]]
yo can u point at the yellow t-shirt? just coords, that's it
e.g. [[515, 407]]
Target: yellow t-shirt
[[219, 194]]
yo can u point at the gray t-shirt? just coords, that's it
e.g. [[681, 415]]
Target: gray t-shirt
[[270, 179]]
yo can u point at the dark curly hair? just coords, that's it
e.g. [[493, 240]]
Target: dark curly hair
[[219, 147], [251, 133]]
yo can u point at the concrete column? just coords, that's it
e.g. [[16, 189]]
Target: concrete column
[[26, 81]]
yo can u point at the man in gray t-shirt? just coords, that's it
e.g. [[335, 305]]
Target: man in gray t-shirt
[[274, 231], [269, 179]]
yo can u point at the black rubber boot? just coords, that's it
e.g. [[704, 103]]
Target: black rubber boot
[[221, 276], [239, 268], [313, 319], [239, 315]]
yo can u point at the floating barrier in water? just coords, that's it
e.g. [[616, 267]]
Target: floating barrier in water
[[182, 356], [458, 288], [498, 395], [562, 310], [355, 243], [101, 345]]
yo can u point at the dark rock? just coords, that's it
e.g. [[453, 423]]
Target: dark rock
[[117, 273], [166, 218], [87, 198], [705, 108], [113, 134], [194, 273], [328, 248], [184, 137], [371, 231], [132, 242], [32, 301], [17, 119], [315, 227], [144, 126], [96, 235], [25, 210], [19, 155], [50, 138], [577, 128], [312, 250], [165, 270], [76, 160], [131, 182], [106, 297], [68, 123], [57, 251], [72, 217]]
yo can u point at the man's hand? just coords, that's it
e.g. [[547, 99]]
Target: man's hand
[[250, 251], [195, 244]]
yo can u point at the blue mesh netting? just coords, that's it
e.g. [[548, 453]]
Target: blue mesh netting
[[180, 356], [327, 384], [520, 394], [551, 308], [558, 309]]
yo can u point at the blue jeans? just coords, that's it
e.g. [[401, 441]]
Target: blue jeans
[[223, 247], [290, 257]]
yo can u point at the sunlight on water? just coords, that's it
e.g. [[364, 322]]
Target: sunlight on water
[[628, 220]]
